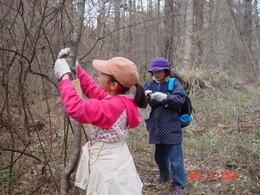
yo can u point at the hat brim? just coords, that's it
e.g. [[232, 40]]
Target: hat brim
[[101, 66], [157, 69]]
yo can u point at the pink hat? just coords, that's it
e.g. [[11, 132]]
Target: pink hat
[[124, 70]]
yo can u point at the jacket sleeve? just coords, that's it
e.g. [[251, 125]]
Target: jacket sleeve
[[102, 113], [176, 98], [89, 86], [151, 102]]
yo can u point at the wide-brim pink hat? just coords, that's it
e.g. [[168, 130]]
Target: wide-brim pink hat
[[122, 69]]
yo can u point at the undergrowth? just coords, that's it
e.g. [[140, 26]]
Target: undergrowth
[[221, 146]]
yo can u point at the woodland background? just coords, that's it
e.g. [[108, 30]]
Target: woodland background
[[212, 45]]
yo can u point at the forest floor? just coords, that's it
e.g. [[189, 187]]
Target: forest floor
[[221, 146]]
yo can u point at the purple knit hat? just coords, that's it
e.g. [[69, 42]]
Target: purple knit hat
[[159, 63]]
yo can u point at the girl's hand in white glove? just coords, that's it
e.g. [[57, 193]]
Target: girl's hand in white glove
[[148, 92], [159, 96], [61, 67], [64, 53]]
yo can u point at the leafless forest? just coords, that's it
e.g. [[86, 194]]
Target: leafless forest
[[213, 47]]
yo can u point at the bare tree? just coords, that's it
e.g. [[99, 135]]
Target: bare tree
[[198, 38], [169, 29], [116, 40], [74, 42], [209, 36], [257, 33], [129, 35], [247, 31], [187, 49], [253, 64]]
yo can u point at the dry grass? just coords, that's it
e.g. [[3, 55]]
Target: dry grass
[[223, 139]]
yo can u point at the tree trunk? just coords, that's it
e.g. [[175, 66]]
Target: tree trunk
[[117, 25], [129, 44], [209, 41], [199, 10], [248, 23], [253, 62], [101, 26], [158, 25], [74, 42], [257, 34], [169, 29], [187, 49]]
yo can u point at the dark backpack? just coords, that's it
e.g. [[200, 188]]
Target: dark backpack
[[186, 108]]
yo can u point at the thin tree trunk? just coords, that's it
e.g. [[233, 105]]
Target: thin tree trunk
[[209, 41], [74, 42], [187, 50], [101, 26], [243, 40], [129, 30], [117, 42], [169, 29], [257, 34], [158, 25], [199, 10], [248, 23]]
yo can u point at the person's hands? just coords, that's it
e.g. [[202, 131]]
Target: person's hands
[[148, 92], [64, 53], [61, 67], [159, 96]]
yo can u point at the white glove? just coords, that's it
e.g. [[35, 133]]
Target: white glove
[[148, 92], [159, 96], [61, 67], [64, 53]]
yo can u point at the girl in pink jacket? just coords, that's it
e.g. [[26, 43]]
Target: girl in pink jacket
[[106, 166]]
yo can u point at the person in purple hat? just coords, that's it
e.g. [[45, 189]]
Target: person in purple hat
[[164, 126]]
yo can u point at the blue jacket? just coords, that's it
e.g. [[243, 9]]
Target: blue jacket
[[163, 124]]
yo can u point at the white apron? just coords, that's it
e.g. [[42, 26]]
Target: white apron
[[108, 169]]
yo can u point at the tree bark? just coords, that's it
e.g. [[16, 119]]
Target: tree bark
[[257, 34], [74, 42], [169, 29], [129, 44], [187, 49], [199, 10], [248, 23], [244, 42], [116, 40]]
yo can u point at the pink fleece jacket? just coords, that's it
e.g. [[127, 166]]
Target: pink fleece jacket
[[100, 109]]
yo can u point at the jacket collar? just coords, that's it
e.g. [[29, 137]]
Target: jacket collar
[[166, 79]]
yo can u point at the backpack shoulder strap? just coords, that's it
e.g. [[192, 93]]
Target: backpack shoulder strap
[[171, 84]]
